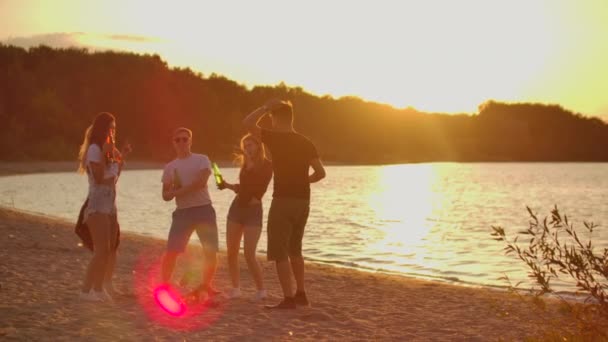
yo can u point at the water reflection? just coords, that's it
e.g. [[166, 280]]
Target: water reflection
[[422, 219], [403, 200]]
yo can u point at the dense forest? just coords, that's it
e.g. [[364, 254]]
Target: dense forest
[[49, 96]]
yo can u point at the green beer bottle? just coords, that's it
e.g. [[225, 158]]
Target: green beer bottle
[[177, 181], [110, 155], [217, 175]]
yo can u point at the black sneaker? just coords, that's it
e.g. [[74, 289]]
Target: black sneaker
[[300, 299], [287, 303]]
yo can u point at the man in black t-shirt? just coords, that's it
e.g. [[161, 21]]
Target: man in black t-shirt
[[292, 156]]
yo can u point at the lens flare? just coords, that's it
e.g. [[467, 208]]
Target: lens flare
[[169, 301], [166, 304]]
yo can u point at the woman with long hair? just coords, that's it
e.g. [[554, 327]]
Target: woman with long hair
[[102, 162], [246, 213]]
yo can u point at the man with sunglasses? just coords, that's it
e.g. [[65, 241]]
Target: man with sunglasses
[[185, 179]]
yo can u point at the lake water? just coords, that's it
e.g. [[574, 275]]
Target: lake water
[[424, 220]]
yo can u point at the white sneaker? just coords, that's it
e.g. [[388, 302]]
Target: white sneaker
[[112, 291], [89, 297], [102, 295], [234, 292], [260, 295]]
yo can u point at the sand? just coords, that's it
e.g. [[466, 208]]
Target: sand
[[42, 268]]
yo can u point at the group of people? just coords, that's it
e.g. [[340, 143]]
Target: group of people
[[185, 180]]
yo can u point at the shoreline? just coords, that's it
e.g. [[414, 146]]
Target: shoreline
[[572, 297], [39, 298], [365, 270], [33, 167]]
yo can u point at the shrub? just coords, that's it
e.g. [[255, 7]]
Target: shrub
[[556, 250]]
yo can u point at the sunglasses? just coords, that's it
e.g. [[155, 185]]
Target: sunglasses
[[180, 139]]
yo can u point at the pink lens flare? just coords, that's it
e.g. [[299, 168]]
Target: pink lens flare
[[169, 300], [165, 304]]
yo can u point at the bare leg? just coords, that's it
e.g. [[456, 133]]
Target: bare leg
[[252, 236], [111, 260], [210, 258], [191, 267], [234, 232], [209, 266], [297, 266], [168, 265], [99, 228], [284, 273]]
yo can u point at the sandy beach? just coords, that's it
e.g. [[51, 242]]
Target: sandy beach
[[42, 266]]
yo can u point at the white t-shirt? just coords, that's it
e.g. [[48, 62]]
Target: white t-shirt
[[188, 170], [94, 155]]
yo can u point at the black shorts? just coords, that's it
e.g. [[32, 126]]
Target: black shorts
[[286, 221]]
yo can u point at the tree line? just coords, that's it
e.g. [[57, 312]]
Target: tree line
[[49, 96]]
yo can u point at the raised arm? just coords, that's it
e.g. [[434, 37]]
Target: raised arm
[[318, 171], [252, 120]]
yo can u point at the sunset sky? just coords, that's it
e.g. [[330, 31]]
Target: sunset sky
[[434, 55]]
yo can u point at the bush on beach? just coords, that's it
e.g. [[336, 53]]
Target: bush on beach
[[556, 250]]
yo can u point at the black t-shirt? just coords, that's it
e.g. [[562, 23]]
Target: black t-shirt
[[254, 182], [291, 156]]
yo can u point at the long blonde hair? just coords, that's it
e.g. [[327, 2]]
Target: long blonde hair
[[239, 157], [82, 153], [97, 134]]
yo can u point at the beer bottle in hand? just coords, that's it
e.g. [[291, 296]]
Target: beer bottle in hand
[[217, 175], [177, 181], [110, 154]]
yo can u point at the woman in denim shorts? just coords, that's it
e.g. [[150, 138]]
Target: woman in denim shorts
[[102, 162], [246, 213]]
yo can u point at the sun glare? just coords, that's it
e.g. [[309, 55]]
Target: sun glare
[[439, 56], [405, 201]]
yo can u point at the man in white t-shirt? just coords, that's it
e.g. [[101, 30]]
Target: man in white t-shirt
[[185, 179]]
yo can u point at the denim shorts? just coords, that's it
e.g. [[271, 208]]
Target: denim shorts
[[102, 199], [185, 221], [248, 215]]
